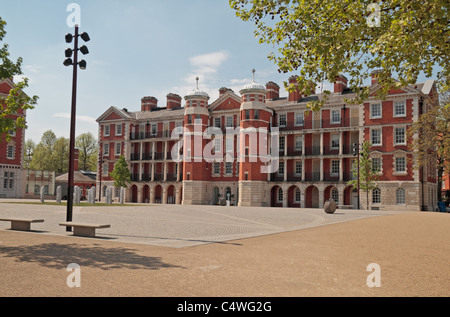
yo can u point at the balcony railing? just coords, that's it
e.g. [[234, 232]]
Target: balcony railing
[[312, 150], [148, 135], [135, 156], [330, 150], [312, 176], [294, 151]]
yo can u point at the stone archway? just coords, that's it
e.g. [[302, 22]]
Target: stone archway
[[312, 197], [171, 194], [275, 194], [158, 194], [134, 194], [294, 196], [146, 194]]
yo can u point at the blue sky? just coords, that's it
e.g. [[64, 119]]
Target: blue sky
[[138, 48]]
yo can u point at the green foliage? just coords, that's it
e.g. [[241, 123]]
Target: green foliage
[[121, 174], [87, 145], [322, 39], [367, 177], [16, 100], [430, 139]]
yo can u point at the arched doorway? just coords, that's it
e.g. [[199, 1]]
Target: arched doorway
[[146, 194], [215, 199], [294, 196], [348, 194], [276, 195], [134, 194], [158, 194], [171, 194], [227, 195], [312, 197]]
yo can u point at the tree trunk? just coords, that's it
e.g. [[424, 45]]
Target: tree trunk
[[367, 199], [440, 172]]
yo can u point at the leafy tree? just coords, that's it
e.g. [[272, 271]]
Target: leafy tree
[[60, 155], [321, 40], [431, 140], [16, 100], [42, 156], [29, 152], [367, 176], [87, 145], [121, 174]]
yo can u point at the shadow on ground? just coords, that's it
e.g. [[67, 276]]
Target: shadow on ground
[[55, 255]]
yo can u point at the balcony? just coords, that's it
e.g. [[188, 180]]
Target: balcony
[[312, 176], [148, 135], [275, 177], [294, 177], [293, 151], [333, 177], [330, 150], [312, 150], [171, 177], [135, 156]]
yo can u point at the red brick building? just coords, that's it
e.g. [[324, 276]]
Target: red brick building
[[313, 148], [12, 184]]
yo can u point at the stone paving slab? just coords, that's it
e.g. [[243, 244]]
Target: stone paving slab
[[179, 225]]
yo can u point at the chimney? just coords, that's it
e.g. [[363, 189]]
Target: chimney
[[76, 154], [148, 103], [273, 91], [224, 90], [340, 84], [173, 101], [374, 76], [294, 95]]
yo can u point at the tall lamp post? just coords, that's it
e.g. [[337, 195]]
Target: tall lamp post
[[69, 62], [356, 153]]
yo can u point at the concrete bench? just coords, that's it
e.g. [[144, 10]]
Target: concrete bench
[[21, 224], [84, 229]]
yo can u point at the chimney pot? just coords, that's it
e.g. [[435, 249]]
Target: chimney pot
[[273, 91], [148, 103], [340, 84]]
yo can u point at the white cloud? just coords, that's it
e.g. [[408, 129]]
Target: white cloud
[[66, 115], [210, 61]]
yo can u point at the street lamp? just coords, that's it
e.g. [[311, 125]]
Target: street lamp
[[69, 62], [356, 153]]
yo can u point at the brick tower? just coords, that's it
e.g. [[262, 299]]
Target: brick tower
[[254, 129], [195, 168]]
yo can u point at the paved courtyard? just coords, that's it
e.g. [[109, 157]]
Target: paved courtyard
[[180, 225]]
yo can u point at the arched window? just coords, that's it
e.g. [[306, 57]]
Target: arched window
[[104, 190], [280, 194], [376, 196], [335, 195], [297, 195], [400, 196]]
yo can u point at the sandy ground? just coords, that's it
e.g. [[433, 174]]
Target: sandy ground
[[411, 249]]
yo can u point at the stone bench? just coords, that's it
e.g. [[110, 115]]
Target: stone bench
[[21, 224], [84, 229]]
